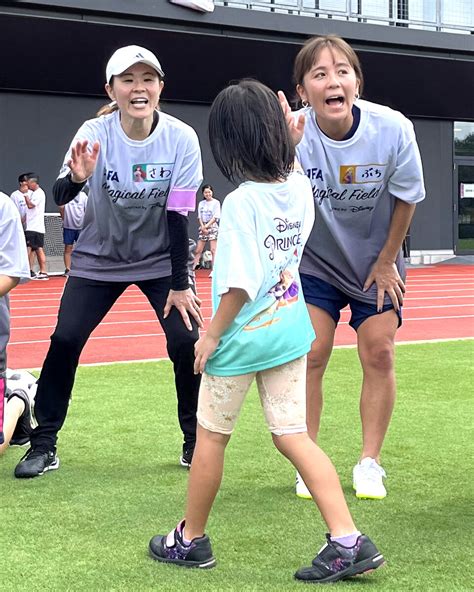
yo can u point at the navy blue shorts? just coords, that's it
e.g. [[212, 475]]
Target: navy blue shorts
[[70, 235], [326, 296]]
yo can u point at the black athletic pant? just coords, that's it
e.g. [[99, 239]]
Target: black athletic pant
[[83, 305]]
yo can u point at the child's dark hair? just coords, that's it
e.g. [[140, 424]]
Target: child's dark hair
[[248, 134], [23, 177], [207, 186]]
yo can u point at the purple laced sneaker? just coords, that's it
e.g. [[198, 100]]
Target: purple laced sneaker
[[171, 549]]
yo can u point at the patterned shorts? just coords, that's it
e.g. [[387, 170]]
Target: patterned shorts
[[282, 393], [211, 233]]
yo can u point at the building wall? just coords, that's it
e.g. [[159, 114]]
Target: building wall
[[40, 128]]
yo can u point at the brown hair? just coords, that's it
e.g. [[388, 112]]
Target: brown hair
[[312, 48]]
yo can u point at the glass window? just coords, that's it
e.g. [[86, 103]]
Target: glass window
[[463, 138]]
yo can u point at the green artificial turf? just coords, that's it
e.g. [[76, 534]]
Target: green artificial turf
[[87, 525]]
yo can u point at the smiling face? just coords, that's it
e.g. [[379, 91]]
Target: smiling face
[[207, 193], [137, 93], [330, 87]]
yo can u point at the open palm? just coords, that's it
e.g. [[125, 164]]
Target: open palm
[[83, 161]]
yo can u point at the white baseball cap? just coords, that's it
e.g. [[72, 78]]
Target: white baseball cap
[[127, 56]]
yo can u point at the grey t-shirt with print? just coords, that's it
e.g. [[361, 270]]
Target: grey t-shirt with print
[[356, 183], [125, 233]]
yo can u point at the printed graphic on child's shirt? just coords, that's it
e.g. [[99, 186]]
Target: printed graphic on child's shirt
[[285, 292]]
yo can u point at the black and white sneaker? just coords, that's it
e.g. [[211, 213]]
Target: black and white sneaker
[[171, 549], [35, 463], [40, 276], [24, 425], [22, 385], [186, 458], [335, 562]]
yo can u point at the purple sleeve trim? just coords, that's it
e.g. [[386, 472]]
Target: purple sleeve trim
[[182, 200]]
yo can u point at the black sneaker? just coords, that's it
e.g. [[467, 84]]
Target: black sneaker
[[24, 425], [171, 549], [335, 562], [36, 463], [186, 458]]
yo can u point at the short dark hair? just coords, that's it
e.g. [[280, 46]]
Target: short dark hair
[[248, 134], [207, 186], [23, 177]]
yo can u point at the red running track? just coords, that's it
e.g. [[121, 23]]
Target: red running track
[[439, 304]]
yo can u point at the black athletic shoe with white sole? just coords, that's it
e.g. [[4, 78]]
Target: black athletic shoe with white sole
[[171, 549], [335, 562], [186, 458], [36, 463]]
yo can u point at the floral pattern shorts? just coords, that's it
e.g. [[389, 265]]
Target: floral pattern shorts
[[282, 393]]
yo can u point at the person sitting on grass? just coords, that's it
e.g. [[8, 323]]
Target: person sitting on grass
[[19, 398], [260, 330], [14, 267]]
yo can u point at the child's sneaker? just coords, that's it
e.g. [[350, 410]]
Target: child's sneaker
[[301, 490], [25, 424], [368, 479], [335, 562], [171, 549]]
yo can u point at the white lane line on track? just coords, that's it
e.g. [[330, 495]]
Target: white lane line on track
[[208, 308], [161, 334], [153, 319]]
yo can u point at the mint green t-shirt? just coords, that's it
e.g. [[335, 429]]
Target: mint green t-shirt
[[263, 230]]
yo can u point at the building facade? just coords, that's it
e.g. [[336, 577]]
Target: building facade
[[54, 56]]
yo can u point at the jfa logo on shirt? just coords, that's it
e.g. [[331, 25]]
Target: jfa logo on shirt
[[151, 172], [361, 173]]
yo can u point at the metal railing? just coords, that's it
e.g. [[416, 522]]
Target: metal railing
[[454, 16]]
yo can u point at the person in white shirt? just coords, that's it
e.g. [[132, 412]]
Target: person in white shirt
[[35, 228], [18, 197], [260, 331], [72, 215], [365, 169], [209, 212]]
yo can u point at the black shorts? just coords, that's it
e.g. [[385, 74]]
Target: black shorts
[[35, 240]]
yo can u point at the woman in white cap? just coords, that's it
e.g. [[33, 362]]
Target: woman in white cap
[[135, 232]]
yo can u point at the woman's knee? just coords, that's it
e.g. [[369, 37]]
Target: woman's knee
[[379, 356], [66, 341], [318, 357]]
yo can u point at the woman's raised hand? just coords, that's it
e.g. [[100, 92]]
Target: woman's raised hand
[[295, 124], [83, 161]]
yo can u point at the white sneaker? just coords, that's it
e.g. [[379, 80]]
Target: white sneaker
[[301, 490], [368, 479]]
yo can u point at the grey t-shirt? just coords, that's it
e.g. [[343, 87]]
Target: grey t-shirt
[[356, 183], [125, 233]]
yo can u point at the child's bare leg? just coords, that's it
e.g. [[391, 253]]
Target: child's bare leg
[[321, 478], [13, 410], [204, 480]]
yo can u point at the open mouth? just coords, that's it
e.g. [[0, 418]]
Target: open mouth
[[140, 101], [335, 101]]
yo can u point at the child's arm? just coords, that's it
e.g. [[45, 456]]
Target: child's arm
[[229, 307], [7, 283]]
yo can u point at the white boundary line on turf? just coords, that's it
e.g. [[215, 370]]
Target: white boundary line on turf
[[420, 342]]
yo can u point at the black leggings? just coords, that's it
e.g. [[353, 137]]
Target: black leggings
[[83, 306]]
